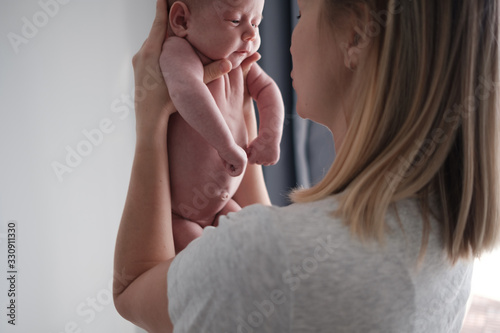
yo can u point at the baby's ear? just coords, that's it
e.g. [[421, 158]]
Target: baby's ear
[[178, 18]]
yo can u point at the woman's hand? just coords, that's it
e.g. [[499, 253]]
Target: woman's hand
[[152, 101]]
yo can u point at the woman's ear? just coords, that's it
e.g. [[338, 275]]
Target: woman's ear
[[178, 18], [352, 49], [357, 39]]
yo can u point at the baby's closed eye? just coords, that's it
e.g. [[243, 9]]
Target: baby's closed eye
[[233, 21]]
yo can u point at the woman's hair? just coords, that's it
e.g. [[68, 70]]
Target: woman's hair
[[425, 123]]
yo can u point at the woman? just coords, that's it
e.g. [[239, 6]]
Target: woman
[[385, 242]]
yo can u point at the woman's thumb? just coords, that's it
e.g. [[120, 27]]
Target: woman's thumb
[[216, 69]]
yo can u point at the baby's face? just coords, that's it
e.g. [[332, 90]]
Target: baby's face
[[226, 29]]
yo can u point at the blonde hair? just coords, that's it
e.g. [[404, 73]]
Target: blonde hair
[[425, 123]]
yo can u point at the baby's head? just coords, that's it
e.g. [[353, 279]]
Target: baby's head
[[218, 28]]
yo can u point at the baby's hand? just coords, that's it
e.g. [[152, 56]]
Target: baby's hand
[[262, 152], [234, 160]]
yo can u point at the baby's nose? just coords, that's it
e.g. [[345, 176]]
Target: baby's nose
[[250, 35]]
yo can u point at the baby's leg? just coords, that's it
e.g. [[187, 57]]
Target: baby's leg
[[184, 232], [231, 206]]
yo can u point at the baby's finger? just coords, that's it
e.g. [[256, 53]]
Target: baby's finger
[[216, 69], [159, 29]]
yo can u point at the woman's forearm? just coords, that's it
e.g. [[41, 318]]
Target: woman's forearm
[[145, 235], [145, 245]]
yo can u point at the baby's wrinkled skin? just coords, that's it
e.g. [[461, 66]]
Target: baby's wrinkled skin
[[208, 141]]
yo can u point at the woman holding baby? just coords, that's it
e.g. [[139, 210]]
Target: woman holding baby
[[386, 241]]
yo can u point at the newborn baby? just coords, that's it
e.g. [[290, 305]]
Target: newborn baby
[[208, 138]]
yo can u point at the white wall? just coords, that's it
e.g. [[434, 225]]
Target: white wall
[[68, 75]]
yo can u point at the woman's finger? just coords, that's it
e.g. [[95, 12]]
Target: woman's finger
[[159, 28], [248, 62], [216, 69]]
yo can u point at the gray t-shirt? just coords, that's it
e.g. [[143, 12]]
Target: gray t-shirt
[[297, 269]]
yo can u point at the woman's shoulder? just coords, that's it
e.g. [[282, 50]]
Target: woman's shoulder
[[310, 210], [293, 216], [299, 226], [302, 226]]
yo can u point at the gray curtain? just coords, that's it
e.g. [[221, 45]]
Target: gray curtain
[[307, 149]]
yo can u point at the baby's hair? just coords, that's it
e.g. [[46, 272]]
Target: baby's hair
[[189, 3], [203, 2]]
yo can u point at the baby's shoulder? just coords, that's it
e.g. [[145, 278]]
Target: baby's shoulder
[[176, 41], [179, 48]]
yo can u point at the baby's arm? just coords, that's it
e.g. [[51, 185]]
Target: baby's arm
[[183, 73], [265, 149], [253, 188]]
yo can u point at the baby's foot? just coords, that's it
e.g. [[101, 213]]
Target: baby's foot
[[263, 153], [234, 160]]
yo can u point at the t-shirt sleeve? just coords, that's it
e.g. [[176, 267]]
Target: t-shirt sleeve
[[230, 278]]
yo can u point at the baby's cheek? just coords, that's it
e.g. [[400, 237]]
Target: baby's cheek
[[257, 43]]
